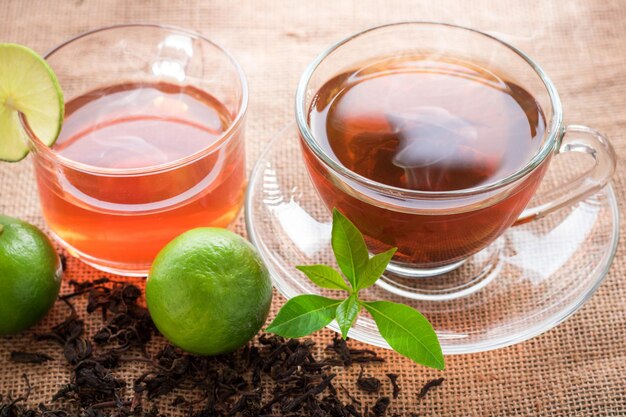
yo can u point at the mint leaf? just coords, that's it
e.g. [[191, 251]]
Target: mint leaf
[[404, 328], [347, 312], [324, 276], [303, 315], [407, 332], [375, 268], [349, 248]]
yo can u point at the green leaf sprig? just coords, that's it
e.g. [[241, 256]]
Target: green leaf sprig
[[406, 330]]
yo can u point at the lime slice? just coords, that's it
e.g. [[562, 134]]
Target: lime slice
[[27, 85]]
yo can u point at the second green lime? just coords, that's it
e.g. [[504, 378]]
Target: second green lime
[[30, 275], [208, 291]]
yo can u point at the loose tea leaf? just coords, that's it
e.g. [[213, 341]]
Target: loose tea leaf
[[349, 356], [92, 383], [394, 383], [380, 408], [367, 384], [279, 377], [427, 387], [30, 357]]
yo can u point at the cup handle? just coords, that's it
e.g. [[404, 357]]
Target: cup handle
[[577, 138]]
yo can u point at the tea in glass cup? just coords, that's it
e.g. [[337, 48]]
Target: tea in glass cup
[[433, 139], [152, 144]]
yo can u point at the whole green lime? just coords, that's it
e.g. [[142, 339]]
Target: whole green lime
[[30, 275], [208, 291]]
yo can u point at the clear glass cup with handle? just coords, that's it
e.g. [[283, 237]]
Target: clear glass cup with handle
[[437, 231]]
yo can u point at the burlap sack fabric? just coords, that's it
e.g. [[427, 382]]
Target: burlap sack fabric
[[578, 368]]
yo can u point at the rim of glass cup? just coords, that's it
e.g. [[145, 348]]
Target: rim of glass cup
[[555, 130], [225, 137]]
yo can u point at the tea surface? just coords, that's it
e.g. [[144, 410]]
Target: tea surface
[[427, 123], [140, 125], [120, 220]]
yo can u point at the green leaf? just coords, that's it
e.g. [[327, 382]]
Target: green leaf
[[349, 247], [324, 276], [347, 312], [375, 268], [407, 332], [303, 315]]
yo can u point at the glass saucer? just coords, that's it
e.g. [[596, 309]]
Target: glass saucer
[[528, 281]]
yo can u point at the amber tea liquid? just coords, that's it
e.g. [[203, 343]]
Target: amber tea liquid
[[429, 124], [126, 218]]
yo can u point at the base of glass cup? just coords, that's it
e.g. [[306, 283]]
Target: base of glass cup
[[126, 270], [407, 271], [123, 269], [131, 273], [448, 282]]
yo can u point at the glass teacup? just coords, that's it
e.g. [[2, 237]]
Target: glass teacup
[[152, 143], [437, 230]]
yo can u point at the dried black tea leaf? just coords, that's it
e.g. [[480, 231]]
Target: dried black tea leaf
[[394, 383], [380, 408], [30, 357], [430, 384], [276, 377], [367, 384], [349, 356]]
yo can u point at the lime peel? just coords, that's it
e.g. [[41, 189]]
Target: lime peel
[[30, 275], [208, 291]]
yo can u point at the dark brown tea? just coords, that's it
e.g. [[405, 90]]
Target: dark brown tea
[[429, 124]]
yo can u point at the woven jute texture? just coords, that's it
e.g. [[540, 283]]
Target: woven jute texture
[[576, 369]]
